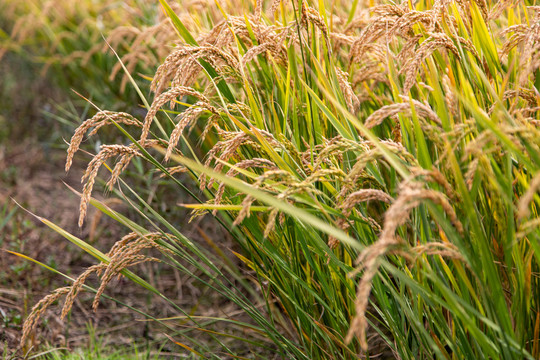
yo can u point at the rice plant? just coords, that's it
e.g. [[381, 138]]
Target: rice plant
[[376, 163]]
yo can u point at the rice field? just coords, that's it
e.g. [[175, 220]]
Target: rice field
[[375, 166]]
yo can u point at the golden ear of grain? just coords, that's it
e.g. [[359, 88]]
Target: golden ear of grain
[[529, 58], [364, 195], [311, 15], [76, 287], [37, 312], [99, 120], [411, 195], [187, 118], [346, 88], [435, 42], [353, 199], [227, 148], [106, 152], [271, 222], [421, 109], [124, 253], [444, 249], [162, 99]]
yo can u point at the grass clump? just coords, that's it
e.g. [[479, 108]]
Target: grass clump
[[376, 165]]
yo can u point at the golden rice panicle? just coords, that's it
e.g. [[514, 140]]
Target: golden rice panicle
[[404, 24], [353, 199], [411, 195], [528, 39], [106, 152], [174, 170], [258, 9], [530, 57], [278, 176], [332, 151], [387, 22], [275, 5], [375, 30], [181, 67], [435, 176], [273, 47], [422, 110], [471, 172], [167, 70], [99, 120], [310, 15], [409, 49], [168, 97], [525, 200], [223, 150], [370, 72], [435, 42], [76, 287], [497, 10], [449, 96], [281, 177], [124, 253], [187, 118], [271, 223], [351, 98], [37, 312], [220, 60], [118, 169], [227, 148], [518, 33], [364, 195], [125, 159], [377, 117], [484, 7], [371, 154], [444, 249]]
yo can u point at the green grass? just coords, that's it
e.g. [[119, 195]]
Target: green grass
[[97, 348], [449, 265]]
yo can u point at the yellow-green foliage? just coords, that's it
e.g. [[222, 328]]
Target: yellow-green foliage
[[398, 144]]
